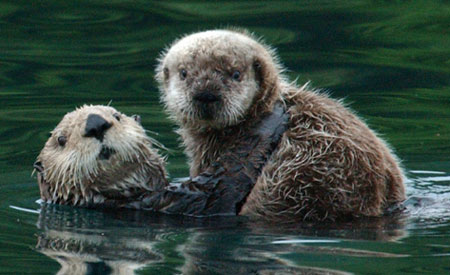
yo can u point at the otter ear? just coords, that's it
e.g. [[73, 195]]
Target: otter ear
[[162, 73], [265, 74], [44, 187], [38, 166], [258, 71]]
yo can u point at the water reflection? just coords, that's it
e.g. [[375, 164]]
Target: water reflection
[[85, 241], [82, 242], [388, 58]]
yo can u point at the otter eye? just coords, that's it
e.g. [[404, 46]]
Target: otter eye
[[236, 75], [183, 74], [62, 140], [116, 116]]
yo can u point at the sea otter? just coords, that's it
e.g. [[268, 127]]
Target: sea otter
[[98, 157], [328, 166]]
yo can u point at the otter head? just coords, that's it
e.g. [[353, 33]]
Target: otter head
[[217, 78], [95, 154]]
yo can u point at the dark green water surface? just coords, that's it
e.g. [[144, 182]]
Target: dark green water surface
[[390, 60]]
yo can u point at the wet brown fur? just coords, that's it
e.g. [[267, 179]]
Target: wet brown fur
[[329, 164], [76, 174]]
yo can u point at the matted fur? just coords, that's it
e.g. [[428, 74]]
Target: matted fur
[[329, 164], [76, 173]]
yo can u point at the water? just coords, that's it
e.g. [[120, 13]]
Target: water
[[388, 59]]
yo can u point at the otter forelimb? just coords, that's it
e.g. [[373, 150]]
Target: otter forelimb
[[223, 188]]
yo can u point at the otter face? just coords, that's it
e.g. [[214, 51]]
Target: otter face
[[95, 153], [212, 78]]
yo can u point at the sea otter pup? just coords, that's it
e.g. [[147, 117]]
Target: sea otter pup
[[329, 165], [97, 155]]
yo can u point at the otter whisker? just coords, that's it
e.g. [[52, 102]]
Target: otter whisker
[[77, 175], [326, 150]]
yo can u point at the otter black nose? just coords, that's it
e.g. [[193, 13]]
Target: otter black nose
[[206, 97], [96, 126]]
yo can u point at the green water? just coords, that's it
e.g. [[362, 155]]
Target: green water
[[390, 60]]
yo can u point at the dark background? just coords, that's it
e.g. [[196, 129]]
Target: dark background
[[389, 60]]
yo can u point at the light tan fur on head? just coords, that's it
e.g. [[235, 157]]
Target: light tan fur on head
[[81, 170], [329, 164], [226, 64]]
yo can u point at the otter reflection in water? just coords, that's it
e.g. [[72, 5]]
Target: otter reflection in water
[[86, 241], [98, 157]]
